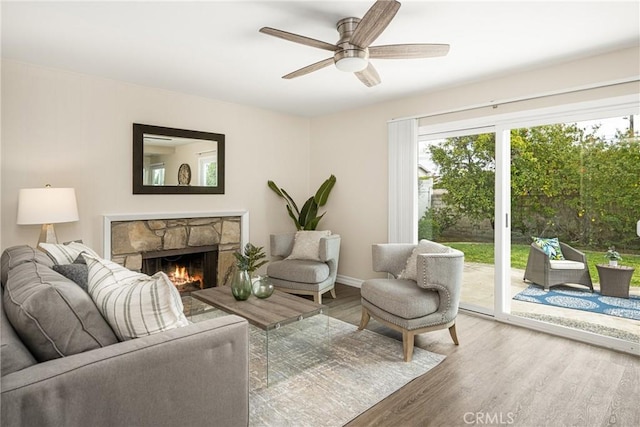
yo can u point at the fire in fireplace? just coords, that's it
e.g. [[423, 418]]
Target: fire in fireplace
[[184, 280], [189, 269]]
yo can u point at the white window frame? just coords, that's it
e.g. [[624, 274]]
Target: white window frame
[[202, 162]]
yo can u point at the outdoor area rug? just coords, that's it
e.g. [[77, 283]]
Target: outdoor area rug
[[329, 373], [567, 297]]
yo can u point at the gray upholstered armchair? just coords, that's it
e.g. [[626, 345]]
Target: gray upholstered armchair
[[546, 272], [302, 276], [428, 303]]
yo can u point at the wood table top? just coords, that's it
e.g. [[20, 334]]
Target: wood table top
[[269, 313]]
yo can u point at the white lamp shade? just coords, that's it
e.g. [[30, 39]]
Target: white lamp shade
[[47, 205]]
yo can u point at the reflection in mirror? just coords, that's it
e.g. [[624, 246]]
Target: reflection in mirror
[[171, 161], [174, 161]]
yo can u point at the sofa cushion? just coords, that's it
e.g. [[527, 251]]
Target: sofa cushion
[[53, 316], [566, 265], [401, 298], [410, 271], [298, 270], [306, 244], [66, 253], [17, 255], [14, 356], [134, 304]]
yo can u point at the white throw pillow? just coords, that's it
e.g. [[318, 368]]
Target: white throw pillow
[[424, 247], [306, 244], [63, 254], [134, 304]]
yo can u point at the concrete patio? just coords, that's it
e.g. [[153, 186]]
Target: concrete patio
[[478, 289]]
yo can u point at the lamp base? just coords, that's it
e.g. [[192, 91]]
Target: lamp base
[[47, 234]]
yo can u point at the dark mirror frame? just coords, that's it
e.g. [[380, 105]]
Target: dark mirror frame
[[138, 160]]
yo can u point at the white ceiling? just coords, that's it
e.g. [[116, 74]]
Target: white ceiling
[[213, 49]]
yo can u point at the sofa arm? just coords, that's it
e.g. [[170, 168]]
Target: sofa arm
[[195, 375]]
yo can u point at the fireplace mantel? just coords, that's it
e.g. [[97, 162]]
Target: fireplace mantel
[[128, 236]]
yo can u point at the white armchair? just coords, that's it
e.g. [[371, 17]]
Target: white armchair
[[428, 303], [302, 276]]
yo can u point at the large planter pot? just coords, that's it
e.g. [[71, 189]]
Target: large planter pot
[[241, 285]]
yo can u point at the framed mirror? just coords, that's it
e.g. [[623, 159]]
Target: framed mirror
[[177, 161]]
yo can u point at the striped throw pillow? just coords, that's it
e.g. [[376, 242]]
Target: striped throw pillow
[[134, 304], [66, 253]]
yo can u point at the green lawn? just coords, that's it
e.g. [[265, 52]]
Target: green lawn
[[483, 253]]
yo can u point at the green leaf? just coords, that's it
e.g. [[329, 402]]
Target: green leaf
[[294, 218], [272, 185], [311, 225], [309, 211], [323, 192], [290, 201]]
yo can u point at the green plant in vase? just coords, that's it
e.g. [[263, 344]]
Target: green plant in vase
[[613, 256], [250, 259]]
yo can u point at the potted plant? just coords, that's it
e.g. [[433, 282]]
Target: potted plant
[[613, 256], [247, 262], [307, 218]]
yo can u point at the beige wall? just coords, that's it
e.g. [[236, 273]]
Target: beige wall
[[73, 130], [353, 145]]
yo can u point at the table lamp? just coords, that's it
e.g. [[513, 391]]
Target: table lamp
[[47, 206]]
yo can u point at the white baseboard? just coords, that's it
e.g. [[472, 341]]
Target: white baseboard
[[349, 281]]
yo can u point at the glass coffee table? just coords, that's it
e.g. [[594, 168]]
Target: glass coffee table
[[287, 336]]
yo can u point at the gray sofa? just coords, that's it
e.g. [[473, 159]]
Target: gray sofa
[[63, 366]]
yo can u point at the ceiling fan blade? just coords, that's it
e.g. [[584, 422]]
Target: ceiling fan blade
[[296, 38], [374, 22], [369, 76], [408, 51], [309, 68]]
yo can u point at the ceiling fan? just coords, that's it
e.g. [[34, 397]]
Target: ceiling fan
[[353, 51]]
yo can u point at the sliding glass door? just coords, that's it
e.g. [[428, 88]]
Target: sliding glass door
[[456, 192], [489, 186], [578, 183]]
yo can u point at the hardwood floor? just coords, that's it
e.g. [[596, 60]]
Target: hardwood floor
[[504, 375]]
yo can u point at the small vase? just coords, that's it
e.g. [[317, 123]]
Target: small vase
[[241, 285], [262, 287], [613, 262]]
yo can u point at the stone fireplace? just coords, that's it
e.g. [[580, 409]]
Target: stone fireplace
[[195, 250]]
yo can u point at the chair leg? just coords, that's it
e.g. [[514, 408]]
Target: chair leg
[[333, 293], [364, 320], [317, 298], [454, 335], [407, 345]]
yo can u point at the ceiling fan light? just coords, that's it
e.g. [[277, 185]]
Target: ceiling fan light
[[352, 65]]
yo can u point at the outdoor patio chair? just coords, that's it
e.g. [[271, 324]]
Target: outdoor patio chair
[[423, 294], [545, 272]]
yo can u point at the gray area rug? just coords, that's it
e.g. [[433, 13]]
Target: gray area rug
[[324, 372]]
